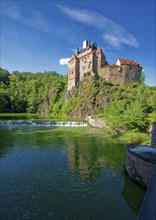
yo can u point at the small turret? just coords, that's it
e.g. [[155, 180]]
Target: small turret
[[77, 51], [85, 43]]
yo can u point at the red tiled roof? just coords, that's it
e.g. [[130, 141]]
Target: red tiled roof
[[99, 50], [128, 62], [73, 57]]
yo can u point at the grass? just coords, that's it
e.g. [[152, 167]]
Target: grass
[[13, 116], [16, 114], [131, 137], [35, 116]]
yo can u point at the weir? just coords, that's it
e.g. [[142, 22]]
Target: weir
[[40, 123]]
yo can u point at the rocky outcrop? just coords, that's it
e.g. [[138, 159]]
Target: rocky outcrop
[[69, 94], [96, 122]]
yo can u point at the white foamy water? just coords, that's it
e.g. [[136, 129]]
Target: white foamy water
[[43, 123]]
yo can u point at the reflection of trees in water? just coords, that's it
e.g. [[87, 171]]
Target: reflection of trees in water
[[82, 160], [6, 141], [129, 190], [87, 155], [20, 137]]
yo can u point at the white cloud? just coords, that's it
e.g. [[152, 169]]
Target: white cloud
[[64, 61], [111, 39], [36, 20], [113, 33], [12, 11]]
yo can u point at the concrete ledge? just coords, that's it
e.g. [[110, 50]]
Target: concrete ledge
[[148, 208]]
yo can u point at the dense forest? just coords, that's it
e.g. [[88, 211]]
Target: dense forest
[[124, 107], [27, 92]]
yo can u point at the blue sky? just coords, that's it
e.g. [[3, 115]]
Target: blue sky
[[35, 35]]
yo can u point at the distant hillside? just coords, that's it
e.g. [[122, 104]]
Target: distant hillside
[[27, 92], [130, 106]]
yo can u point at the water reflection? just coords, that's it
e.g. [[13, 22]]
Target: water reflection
[[129, 190], [87, 155]]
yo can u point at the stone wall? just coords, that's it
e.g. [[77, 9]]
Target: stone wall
[[73, 73], [85, 65], [140, 164], [113, 74], [153, 138], [132, 73]]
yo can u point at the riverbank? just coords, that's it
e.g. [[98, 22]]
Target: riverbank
[[35, 116], [127, 137]]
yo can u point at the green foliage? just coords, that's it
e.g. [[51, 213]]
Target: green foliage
[[124, 107], [69, 106], [133, 137], [26, 92], [129, 107], [4, 76], [4, 82], [151, 118], [2, 98]]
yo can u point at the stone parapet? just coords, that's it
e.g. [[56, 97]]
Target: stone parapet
[[153, 138], [140, 163]]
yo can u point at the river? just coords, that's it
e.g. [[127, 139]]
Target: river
[[64, 173]]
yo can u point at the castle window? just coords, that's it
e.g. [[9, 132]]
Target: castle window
[[130, 67]]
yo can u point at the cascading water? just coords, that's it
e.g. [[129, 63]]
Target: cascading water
[[43, 123]]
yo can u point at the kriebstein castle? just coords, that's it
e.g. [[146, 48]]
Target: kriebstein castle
[[91, 60]]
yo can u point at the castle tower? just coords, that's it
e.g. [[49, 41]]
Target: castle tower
[[100, 60], [73, 72]]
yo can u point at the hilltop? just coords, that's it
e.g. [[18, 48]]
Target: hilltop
[[124, 107]]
